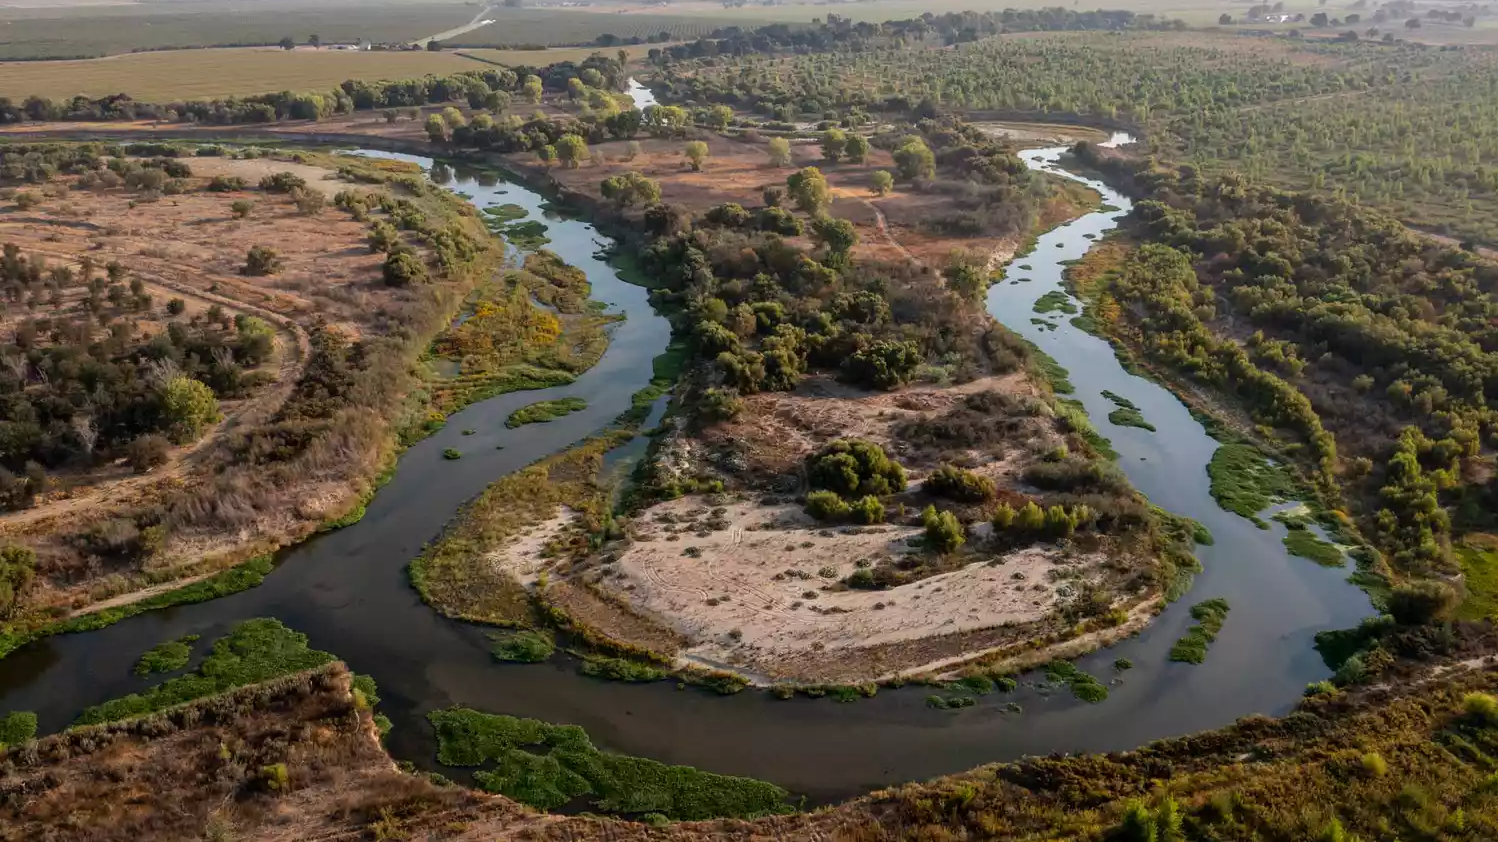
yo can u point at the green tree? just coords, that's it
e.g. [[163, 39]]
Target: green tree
[[882, 182], [779, 150], [808, 189], [16, 728], [914, 159], [666, 120], [531, 90], [718, 117], [572, 151], [838, 235], [631, 188], [834, 142], [436, 128], [187, 406], [696, 152], [857, 148]]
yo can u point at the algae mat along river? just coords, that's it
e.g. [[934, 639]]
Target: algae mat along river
[[348, 591]]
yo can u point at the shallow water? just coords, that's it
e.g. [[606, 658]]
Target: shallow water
[[348, 591]]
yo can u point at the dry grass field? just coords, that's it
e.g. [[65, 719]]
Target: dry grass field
[[206, 74]]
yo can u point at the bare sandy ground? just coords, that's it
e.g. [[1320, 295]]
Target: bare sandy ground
[[754, 593], [525, 556], [253, 169]]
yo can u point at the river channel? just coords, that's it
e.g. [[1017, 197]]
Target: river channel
[[348, 591]]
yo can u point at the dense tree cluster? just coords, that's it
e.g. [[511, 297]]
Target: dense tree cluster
[[489, 88], [1345, 323], [83, 381]]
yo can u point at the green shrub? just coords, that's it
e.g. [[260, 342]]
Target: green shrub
[[867, 510], [944, 533], [403, 268], [262, 260], [17, 727], [853, 467], [1421, 603], [1375, 765], [826, 505], [957, 484], [1320, 688], [527, 647], [1482, 708], [620, 669], [720, 404]]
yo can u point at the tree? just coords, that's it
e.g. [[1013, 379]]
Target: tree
[[914, 159], [838, 235], [833, 143], [696, 152], [17, 567], [808, 189], [287, 43], [176, 307], [631, 188], [857, 148], [1421, 603], [403, 268], [779, 150], [966, 281], [1319, 20], [883, 365], [314, 40], [547, 153], [436, 128], [571, 151], [1413, 23], [531, 90], [1225, 20], [187, 406], [240, 208], [718, 117], [666, 120], [434, 46], [957, 484], [497, 101], [262, 260], [882, 182]]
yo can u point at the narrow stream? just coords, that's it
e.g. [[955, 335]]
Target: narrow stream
[[348, 591]]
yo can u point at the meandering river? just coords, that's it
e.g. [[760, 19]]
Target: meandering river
[[348, 591]]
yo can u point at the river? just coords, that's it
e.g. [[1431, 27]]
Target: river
[[348, 591]]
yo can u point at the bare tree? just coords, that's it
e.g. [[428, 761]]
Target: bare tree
[[160, 372], [86, 430]]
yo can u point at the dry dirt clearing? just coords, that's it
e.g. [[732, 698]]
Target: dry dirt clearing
[[757, 588]]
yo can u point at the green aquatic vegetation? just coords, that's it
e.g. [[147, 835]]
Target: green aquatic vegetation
[[543, 411], [166, 657], [1127, 414], [1055, 301], [1122, 664], [1075, 416], [950, 702], [17, 727], [621, 669], [526, 647], [1082, 685], [505, 213], [548, 766], [1050, 370], [452, 453], [1192, 647], [1302, 542], [1245, 482], [529, 235], [254, 651]]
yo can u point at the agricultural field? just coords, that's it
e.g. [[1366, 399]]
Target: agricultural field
[[217, 73], [90, 31]]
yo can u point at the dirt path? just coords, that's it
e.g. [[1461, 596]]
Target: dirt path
[[293, 348], [479, 21]]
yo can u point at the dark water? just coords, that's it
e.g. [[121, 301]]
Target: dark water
[[348, 592]]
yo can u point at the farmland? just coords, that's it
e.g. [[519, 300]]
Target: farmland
[[86, 32], [206, 74]]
